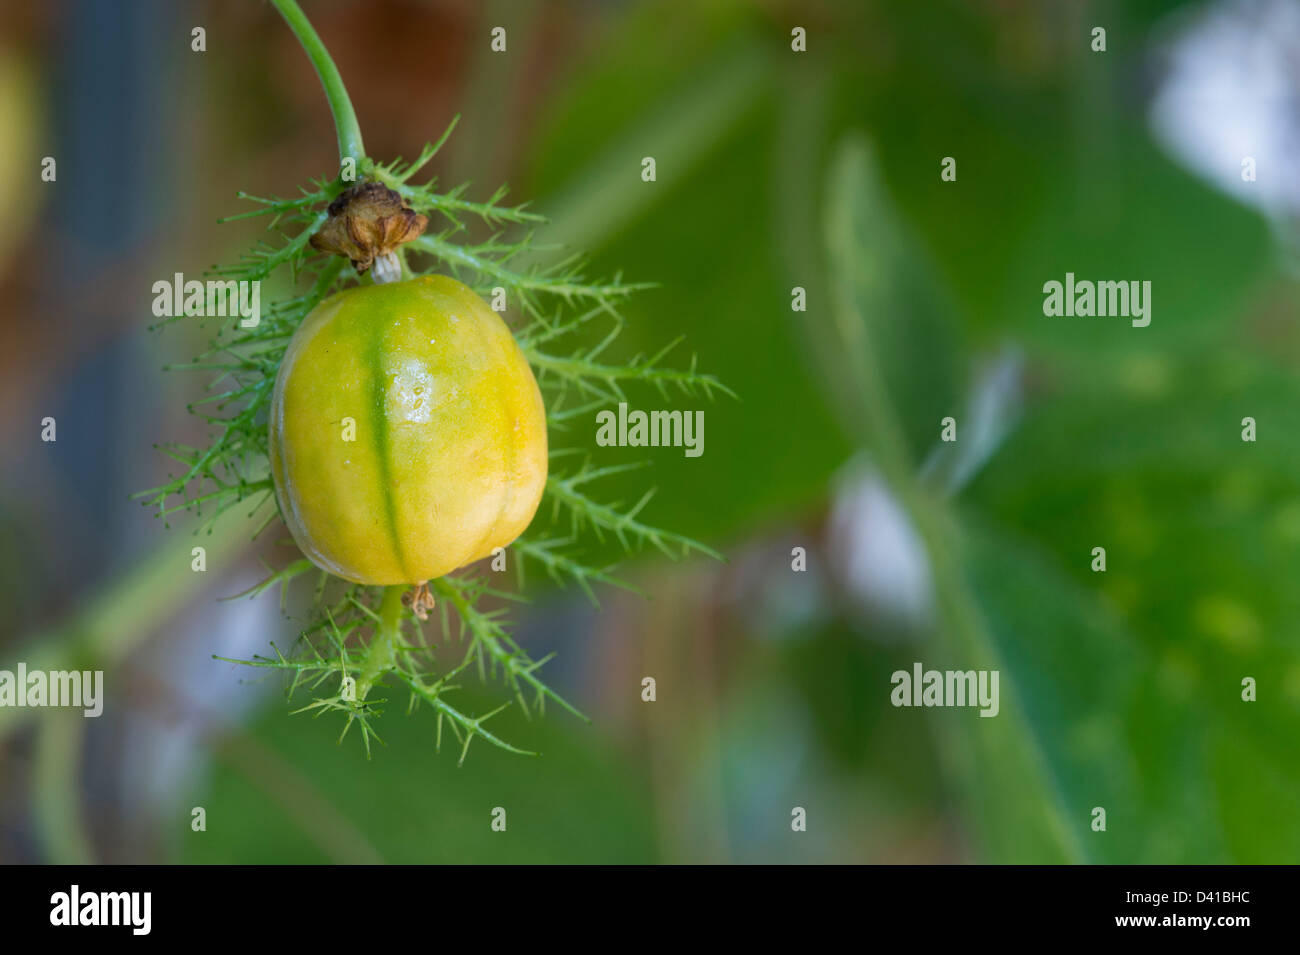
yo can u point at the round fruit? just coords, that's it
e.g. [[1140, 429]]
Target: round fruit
[[407, 434]]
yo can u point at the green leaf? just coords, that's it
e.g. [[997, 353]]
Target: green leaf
[[1085, 688], [1014, 801], [892, 330]]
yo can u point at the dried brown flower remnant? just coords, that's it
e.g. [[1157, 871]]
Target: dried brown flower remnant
[[420, 600], [367, 222]]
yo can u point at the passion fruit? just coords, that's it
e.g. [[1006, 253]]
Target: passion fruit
[[407, 433]]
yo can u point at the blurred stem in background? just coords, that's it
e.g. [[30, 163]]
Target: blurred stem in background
[[121, 617], [684, 130]]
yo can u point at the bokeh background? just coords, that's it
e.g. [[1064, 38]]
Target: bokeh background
[[775, 169]]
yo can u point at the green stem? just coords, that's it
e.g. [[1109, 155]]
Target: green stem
[[345, 117], [379, 655], [60, 823]]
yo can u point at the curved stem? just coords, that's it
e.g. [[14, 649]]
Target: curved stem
[[379, 655], [60, 824], [345, 118]]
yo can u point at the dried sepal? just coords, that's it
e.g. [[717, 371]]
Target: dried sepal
[[367, 222]]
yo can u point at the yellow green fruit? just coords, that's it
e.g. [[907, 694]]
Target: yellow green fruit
[[407, 433]]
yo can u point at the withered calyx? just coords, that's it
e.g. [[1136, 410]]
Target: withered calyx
[[367, 222]]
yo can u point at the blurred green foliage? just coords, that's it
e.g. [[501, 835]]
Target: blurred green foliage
[[580, 802]]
